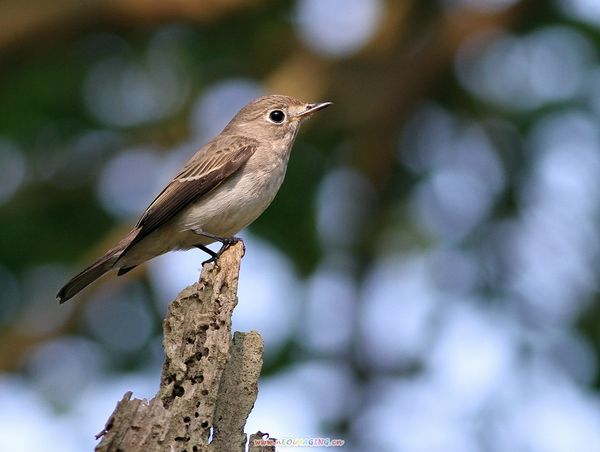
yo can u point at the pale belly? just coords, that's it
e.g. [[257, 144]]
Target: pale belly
[[224, 212]]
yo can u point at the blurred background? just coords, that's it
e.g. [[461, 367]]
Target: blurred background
[[426, 279]]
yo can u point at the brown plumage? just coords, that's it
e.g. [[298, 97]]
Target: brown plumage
[[224, 187]]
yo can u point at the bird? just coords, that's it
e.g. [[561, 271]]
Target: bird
[[224, 187]]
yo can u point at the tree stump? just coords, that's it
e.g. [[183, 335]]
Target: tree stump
[[209, 379]]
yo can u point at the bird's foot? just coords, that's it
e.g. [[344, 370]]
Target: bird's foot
[[211, 253], [226, 242]]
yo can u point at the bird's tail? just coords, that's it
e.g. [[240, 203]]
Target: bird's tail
[[94, 271]]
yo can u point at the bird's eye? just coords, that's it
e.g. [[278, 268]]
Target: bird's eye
[[277, 116]]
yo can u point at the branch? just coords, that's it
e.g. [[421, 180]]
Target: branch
[[209, 382], [24, 22]]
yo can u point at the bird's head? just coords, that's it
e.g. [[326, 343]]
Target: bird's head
[[273, 117]]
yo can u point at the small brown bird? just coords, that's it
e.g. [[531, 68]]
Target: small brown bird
[[223, 188]]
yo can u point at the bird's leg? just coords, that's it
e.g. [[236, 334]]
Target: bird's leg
[[207, 250], [226, 242]]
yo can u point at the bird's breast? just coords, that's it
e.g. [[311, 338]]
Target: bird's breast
[[239, 200]]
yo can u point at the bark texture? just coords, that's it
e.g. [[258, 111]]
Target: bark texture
[[252, 447], [209, 379]]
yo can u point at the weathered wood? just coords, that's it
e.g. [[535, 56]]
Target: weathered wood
[[253, 447], [237, 392], [209, 382]]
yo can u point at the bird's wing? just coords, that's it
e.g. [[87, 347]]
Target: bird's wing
[[204, 172]]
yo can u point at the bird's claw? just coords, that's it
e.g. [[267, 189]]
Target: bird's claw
[[226, 242]]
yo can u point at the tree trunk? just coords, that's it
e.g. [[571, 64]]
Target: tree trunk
[[209, 380]]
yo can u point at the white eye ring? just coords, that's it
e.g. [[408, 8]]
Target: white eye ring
[[276, 116]]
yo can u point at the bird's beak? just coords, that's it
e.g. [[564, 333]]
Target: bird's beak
[[311, 108]]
